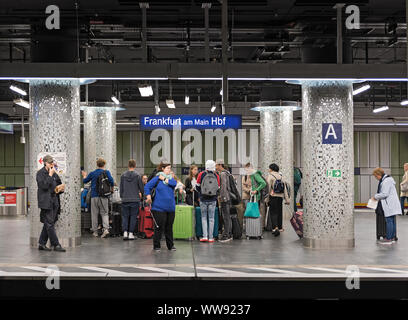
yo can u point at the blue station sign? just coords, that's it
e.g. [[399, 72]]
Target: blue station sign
[[200, 122]]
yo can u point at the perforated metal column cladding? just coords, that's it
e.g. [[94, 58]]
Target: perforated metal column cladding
[[55, 127], [276, 146], [100, 138], [328, 213]]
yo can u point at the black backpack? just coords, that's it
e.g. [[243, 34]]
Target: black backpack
[[278, 186], [103, 186], [234, 193]]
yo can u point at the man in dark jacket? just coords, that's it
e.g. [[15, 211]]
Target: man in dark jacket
[[131, 189], [47, 182]]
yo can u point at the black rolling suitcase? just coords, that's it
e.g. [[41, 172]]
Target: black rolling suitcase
[[115, 219], [236, 227]]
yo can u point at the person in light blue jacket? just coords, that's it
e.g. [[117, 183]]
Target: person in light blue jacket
[[389, 201]]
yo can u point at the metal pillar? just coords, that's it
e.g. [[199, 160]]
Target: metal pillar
[[144, 6], [339, 8], [276, 146], [206, 7], [55, 128], [100, 138], [328, 195], [224, 55]]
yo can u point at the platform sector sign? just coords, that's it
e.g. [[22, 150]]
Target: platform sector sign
[[200, 122], [332, 133]]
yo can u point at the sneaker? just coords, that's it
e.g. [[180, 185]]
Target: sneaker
[[96, 234], [225, 239], [386, 241], [105, 233], [59, 248], [211, 240], [125, 236], [156, 249], [131, 236], [203, 239], [276, 233], [173, 249]]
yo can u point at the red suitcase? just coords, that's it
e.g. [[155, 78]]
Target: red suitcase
[[297, 223], [146, 223]]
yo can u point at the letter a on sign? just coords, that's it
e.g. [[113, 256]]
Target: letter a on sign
[[332, 133], [52, 21]]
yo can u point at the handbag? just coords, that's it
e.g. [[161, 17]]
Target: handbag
[[252, 209], [153, 191], [404, 187]]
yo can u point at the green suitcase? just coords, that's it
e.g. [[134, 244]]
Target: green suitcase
[[184, 223]]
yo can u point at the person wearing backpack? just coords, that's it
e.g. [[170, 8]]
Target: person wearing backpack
[[101, 186], [277, 192], [297, 177], [208, 184]]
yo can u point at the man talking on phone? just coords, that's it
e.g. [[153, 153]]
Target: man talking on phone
[[49, 186]]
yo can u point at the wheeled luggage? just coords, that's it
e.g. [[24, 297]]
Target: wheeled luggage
[[115, 222], [239, 210], [236, 228], [253, 228], [297, 223], [84, 204], [145, 223], [184, 224], [381, 226], [86, 220], [199, 223]]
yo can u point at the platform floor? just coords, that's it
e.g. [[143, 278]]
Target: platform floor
[[283, 257]]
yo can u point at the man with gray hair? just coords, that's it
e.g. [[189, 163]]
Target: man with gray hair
[[49, 185], [225, 200]]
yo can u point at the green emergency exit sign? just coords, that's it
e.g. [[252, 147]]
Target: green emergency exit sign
[[333, 173]]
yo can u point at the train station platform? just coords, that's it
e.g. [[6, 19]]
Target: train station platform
[[278, 262]]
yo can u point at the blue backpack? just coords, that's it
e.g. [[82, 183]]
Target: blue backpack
[[279, 186]]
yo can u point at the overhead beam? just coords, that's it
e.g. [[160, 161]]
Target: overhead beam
[[251, 71]]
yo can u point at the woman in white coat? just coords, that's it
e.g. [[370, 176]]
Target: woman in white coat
[[388, 200]]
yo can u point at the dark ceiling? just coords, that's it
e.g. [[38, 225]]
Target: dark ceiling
[[259, 31]]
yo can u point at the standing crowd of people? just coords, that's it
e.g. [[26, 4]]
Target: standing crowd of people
[[212, 188]]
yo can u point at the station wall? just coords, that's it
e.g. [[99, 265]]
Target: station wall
[[388, 150]]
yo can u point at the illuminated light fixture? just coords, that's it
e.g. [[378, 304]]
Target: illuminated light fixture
[[221, 92], [170, 104], [146, 90], [404, 103], [18, 90], [115, 100], [361, 89], [381, 109], [213, 108], [277, 105], [22, 103], [157, 108], [187, 99]]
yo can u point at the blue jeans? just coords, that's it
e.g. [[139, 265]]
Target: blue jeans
[[207, 213], [129, 210], [402, 203], [391, 227]]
